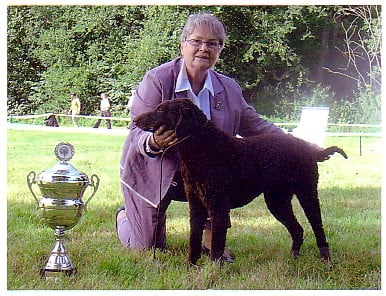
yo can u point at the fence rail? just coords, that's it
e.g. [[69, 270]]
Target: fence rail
[[45, 115], [360, 134], [11, 118]]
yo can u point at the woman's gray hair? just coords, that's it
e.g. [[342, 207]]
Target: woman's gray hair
[[196, 20]]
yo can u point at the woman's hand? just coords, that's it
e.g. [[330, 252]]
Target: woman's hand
[[162, 139]]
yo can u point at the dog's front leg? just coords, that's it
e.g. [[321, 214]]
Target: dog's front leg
[[220, 221], [198, 216]]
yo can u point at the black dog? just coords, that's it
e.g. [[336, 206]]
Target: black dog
[[222, 172]]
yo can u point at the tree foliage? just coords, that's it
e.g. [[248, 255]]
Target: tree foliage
[[362, 44], [276, 53]]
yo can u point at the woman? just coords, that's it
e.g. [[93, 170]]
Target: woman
[[141, 222]]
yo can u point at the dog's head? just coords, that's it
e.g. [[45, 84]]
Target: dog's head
[[181, 115]]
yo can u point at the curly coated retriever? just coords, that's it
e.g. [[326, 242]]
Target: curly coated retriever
[[223, 172]]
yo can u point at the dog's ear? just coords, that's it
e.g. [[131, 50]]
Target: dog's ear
[[190, 118]]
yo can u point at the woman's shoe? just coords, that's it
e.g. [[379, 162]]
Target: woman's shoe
[[226, 256], [121, 208]]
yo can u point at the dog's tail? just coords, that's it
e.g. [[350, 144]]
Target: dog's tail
[[326, 153]]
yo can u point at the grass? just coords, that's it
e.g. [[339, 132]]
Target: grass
[[349, 190]]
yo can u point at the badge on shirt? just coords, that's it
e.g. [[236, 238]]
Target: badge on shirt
[[218, 106]]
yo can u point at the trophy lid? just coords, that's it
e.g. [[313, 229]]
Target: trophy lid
[[63, 172], [64, 151]]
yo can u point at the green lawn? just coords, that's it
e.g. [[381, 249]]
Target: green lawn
[[349, 190]]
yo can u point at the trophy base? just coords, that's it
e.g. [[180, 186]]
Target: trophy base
[[58, 263], [57, 274]]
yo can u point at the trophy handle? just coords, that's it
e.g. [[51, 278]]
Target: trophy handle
[[95, 184], [31, 180]]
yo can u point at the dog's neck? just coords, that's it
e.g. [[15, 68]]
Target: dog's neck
[[201, 127], [203, 136]]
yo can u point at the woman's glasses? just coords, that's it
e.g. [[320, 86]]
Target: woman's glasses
[[198, 43]]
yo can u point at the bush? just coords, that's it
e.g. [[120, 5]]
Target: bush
[[288, 105], [364, 109]]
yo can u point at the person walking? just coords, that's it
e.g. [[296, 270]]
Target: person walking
[[129, 105], [130, 102], [105, 111], [74, 109]]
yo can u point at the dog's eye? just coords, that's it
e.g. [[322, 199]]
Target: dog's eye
[[160, 110]]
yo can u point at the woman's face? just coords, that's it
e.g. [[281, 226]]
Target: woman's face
[[200, 57]]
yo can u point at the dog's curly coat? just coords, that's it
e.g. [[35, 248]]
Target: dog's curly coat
[[222, 172]]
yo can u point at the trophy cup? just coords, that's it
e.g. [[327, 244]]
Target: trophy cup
[[61, 205]]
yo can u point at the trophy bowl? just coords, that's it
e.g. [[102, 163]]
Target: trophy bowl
[[61, 205]]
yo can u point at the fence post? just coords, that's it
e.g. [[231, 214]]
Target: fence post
[[360, 145]]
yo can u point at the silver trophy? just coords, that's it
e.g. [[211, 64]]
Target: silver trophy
[[61, 205]]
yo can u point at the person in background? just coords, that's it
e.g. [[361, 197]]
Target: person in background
[[105, 111], [129, 105], [140, 223], [130, 102], [74, 109]]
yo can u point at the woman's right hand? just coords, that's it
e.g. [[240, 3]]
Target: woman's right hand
[[162, 139]]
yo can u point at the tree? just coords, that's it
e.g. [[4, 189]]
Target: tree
[[362, 45], [361, 49], [274, 52], [83, 53], [156, 42], [22, 67]]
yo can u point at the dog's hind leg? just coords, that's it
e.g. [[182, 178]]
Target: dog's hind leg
[[311, 206], [280, 206]]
